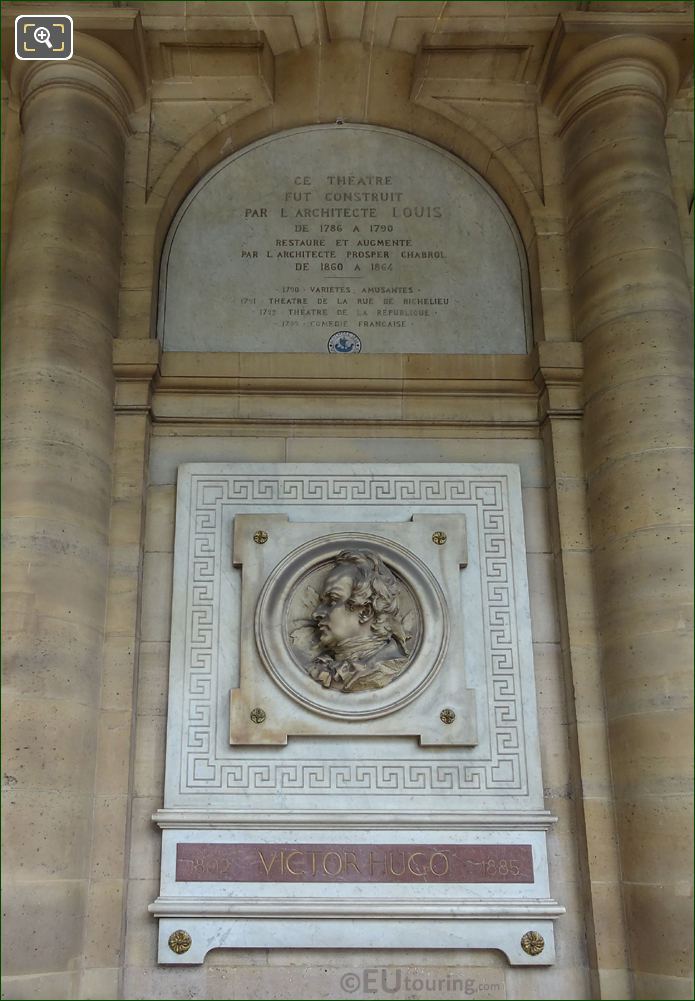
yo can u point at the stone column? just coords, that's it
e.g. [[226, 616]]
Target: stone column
[[632, 311], [60, 318]]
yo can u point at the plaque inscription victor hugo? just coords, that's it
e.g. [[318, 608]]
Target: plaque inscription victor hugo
[[354, 863], [352, 736]]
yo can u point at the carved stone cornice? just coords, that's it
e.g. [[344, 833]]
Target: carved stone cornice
[[135, 364], [558, 370], [630, 63], [211, 65], [392, 391], [592, 58]]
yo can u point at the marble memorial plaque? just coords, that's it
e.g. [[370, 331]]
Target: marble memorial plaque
[[377, 763], [334, 863], [343, 238], [356, 630]]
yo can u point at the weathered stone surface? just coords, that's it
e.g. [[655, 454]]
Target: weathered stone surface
[[346, 237]]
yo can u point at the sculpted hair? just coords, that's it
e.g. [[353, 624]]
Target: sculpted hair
[[375, 587]]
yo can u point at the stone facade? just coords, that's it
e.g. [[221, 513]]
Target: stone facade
[[579, 118]]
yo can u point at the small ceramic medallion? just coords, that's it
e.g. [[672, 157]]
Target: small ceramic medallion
[[344, 342]]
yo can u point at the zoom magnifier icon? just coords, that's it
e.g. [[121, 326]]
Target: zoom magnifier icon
[[43, 37]]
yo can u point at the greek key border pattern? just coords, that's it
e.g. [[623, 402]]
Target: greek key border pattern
[[203, 772]]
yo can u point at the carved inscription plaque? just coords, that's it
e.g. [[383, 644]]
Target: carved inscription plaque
[[352, 743], [343, 238], [343, 863]]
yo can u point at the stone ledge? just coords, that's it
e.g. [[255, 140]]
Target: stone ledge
[[500, 389]]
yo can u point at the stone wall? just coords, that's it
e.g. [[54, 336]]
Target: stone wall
[[569, 132]]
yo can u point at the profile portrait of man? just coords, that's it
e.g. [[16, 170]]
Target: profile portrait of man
[[359, 624]]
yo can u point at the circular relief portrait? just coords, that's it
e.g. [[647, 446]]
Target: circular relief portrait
[[354, 629], [354, 623]]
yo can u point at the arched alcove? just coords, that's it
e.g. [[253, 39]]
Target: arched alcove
[[353, 236]]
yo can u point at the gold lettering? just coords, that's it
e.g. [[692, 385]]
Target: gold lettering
[[294, 872], [445, 870], [351, 860], [265, 865], [391, 870], [411, 863], [373, 861], [325, 864]]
